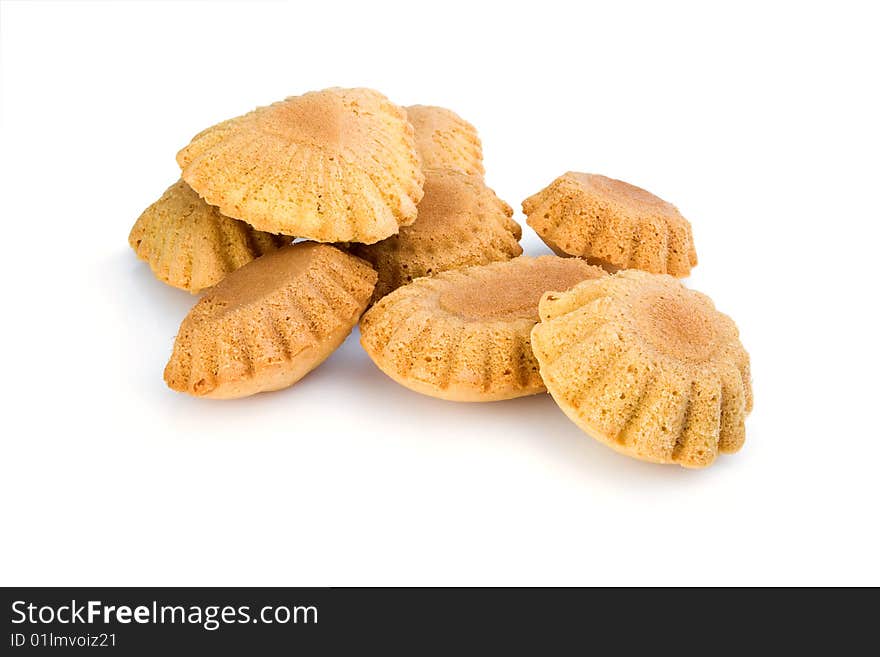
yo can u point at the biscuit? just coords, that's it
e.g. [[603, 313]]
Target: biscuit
[[612, 224], [463, 335], [269, 323], [190, 245], [337, 165], [444, 140], [646, 366], [461, 222]]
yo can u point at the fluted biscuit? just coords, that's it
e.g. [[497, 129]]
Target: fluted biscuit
[[337, 165], [268, 324], [463, 335], [646, 366], [612, 224], [461, 222]]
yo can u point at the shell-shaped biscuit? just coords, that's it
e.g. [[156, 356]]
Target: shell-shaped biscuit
[[463, 335], [337, 165], [191, 245], [646, 366], [461, 222], [612, 224], [444, 140], [268, 324]]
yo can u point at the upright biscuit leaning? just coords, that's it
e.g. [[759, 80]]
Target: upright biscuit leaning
[[268, 324]]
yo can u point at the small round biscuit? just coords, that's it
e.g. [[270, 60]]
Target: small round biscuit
[[444, 140], [463, 335], [268, 324], [338, 165], [191, 245], [612, 224], [461, 222], [646, 366]]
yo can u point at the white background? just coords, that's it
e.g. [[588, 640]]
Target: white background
[[760, 121]]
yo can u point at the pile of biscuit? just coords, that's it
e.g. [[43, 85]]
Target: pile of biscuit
[[301, 219]]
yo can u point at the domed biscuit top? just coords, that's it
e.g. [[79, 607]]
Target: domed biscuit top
[[337, 165], [646, 366], [681, 326], [507, 294], [314, 119], [460, 222], [191, 245], [268, 324], [463, 335], [444, 140], [612, 224], [622, 193]]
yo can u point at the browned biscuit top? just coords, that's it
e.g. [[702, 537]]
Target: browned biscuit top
[[499, 295], [623, 193]]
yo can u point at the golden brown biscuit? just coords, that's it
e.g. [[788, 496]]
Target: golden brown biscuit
[[268, 324], [646, 366], [190, 245], [337, 165], [612, 224], [463, 335], [461, 222], [444, 140]]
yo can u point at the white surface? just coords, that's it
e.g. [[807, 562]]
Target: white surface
[[759, 121]]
